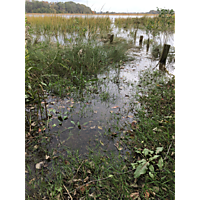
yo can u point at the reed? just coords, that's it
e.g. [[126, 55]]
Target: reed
[[58, 24], [142, 22]]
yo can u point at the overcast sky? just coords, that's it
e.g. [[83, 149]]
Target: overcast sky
[[124, 5]]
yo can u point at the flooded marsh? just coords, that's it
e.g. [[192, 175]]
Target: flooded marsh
[[92, 104]]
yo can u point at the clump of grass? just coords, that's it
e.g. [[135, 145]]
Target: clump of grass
[[73, 62]]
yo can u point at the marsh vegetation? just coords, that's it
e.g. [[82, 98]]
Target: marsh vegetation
[[100, 117]]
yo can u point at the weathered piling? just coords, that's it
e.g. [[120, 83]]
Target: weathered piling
[[135, 37], [163, 57], [147, 45], [111, 38], [140, 41]]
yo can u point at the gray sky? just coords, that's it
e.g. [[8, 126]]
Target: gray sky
[[124, 5]]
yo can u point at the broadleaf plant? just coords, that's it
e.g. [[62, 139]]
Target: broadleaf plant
[[141, 166]]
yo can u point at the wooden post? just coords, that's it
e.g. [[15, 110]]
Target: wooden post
[[111, 38], [163, 57], [135, 36], [147, 45], [140, 41]]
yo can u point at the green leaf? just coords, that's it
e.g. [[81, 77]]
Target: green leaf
[[110, 176], [70, 127], [134, 165], [44, 84], [59, 189], [64, 66], [54, 125], [159, 149], [65, 117], [101, 143], [137, 151], [85, 123], [168, 117], [160, 163], [154, 157], [32, 68], [146, 151], [142, 161], [141, 169], [96, 79], [151, 168], [151, 175], [73, 122], [53, 110]]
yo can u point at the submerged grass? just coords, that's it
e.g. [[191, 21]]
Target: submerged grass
[[54, 63]]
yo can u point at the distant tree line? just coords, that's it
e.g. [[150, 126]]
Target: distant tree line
[[55, 7], [153, 12]]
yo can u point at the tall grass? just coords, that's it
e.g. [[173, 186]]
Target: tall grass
[[142, 22], [55, 24]]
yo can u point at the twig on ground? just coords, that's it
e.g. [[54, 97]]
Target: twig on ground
[[168, 150], [67, 191], [155, 66], [78, 169]]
